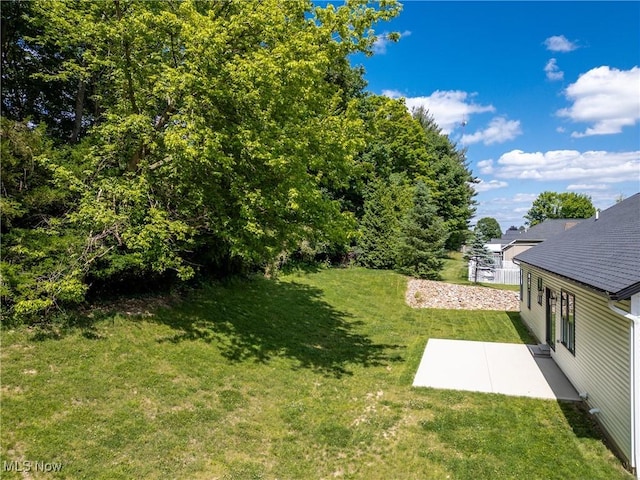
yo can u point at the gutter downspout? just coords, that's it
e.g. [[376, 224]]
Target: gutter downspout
[[634, 319]]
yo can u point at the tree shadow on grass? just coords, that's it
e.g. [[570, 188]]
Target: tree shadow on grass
[[57, 330], [263, 319]]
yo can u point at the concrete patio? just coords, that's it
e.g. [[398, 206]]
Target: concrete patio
[[506, 368]]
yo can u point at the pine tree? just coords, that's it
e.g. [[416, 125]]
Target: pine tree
[[380, 227], [451, 186], [480, 255], [423, 235]]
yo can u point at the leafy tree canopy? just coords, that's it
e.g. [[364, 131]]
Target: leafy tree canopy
[[488, 228], [559, 205], [146, 141], [204, 132]]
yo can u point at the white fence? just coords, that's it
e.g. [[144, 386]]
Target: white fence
[[506, 276]]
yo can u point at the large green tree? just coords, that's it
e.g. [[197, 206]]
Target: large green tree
[[206, 132], [395, 143], [452, 181], [398, 141], [488, 228], [559, 205], [39, 267], [28, 59]]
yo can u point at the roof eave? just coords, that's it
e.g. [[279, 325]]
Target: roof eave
[[623, 294], [626, 293]]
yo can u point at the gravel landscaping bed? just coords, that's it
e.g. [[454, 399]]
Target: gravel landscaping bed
[[430, 294]]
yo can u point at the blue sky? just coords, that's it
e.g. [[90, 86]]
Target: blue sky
[[543, 95]]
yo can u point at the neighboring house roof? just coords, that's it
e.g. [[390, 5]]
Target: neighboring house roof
[[549, 228], [601, 253], [536, 234], [508, 237]]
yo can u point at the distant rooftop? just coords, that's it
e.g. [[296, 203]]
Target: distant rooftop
[[549, 228], [540, 232], [602, 253]]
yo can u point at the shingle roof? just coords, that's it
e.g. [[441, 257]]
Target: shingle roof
[[603, 254], [549, 228], [539, 232], [508, 237]]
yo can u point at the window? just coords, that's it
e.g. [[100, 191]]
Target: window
[[539, 290], [568, 313], [529, 290]]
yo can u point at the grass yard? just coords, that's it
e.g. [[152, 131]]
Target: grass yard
[[455, 269], [306, 377]]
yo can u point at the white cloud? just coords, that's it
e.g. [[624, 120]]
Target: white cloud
[[393, 93], [587, 186], [499, 130], [486, 166], [553, 71], [449, 108], [524, 198], [380, 45], [507, 210], [518, 203], [605, 97], [554, 165], [560, 43], [483, 186]]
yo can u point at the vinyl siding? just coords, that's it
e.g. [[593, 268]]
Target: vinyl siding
[[624, 305], [534, 317], [601, 365], [517, 249]]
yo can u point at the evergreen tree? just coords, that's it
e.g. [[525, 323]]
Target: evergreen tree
[[480, 255], [450, 182], [384, 209], [423, 235]]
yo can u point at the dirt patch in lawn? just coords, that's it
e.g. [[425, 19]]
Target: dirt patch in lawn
[[144, 306], [430, 294]]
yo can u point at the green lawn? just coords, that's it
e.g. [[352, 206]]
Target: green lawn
[[455, 269], [306, 377]]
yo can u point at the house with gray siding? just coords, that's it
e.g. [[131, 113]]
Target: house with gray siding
[[580, 294]]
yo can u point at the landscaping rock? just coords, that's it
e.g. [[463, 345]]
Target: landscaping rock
[[431, 294]]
